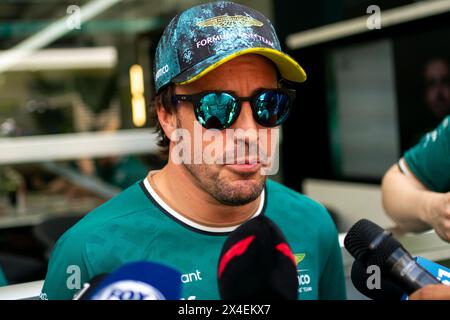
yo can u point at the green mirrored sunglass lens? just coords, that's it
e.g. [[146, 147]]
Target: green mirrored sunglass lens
[[217, 110], [272, 108]]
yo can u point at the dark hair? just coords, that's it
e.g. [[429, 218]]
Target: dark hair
[[162, 100]]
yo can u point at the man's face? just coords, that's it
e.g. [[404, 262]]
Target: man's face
[[226, 181], [437, 77]]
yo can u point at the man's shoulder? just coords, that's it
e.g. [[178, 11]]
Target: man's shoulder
[[445, 125], [281, 194], [290, 206], [442, 132], [115, 232], [429, 159], [123, 209], [439, 134]]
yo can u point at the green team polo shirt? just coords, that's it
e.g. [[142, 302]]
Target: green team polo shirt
[[429, 160], [138, 225]]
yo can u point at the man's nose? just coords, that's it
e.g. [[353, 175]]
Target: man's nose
[[245, 121]]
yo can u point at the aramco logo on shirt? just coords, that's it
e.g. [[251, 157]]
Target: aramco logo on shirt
[[303, 276]]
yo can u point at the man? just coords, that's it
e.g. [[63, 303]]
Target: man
[[437, 87], [416, 191], [210, 60]]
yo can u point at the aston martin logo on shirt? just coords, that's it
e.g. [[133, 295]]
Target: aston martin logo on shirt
[[237, 21], [303, 275], [299, 257]]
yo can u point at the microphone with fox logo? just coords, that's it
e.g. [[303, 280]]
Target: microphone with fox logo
[[137, 281], [257, 263]]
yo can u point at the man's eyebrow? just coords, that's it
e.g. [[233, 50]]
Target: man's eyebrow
[[251, 94], [261, 89]]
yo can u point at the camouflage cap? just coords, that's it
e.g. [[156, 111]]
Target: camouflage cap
[[203, 37]]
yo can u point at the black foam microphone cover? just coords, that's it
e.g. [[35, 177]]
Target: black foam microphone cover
[[256, 262], [370, 244], [386, 291]]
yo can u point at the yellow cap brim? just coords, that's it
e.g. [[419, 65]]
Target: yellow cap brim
[[287, 66]]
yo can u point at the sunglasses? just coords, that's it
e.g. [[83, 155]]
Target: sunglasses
[[220, 109]]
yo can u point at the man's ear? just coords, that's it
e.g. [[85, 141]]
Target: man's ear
[[167, 119]]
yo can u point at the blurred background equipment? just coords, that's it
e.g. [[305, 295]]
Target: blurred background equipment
[[19, 269], [50, 230]]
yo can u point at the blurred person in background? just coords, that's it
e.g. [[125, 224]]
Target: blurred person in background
[[416, 190], [437, 87]]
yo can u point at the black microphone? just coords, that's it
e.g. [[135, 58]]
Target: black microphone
[[257, 263], [386, 291], [370, 244], [89, 286]]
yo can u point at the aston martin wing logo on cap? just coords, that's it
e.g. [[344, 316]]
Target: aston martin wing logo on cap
[[227, 21]]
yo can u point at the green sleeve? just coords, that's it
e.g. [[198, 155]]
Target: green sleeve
[[3, 281], [67, 271], [429, 160], [332, 280]]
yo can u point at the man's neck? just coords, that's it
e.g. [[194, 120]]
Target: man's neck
[[176, 186]]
